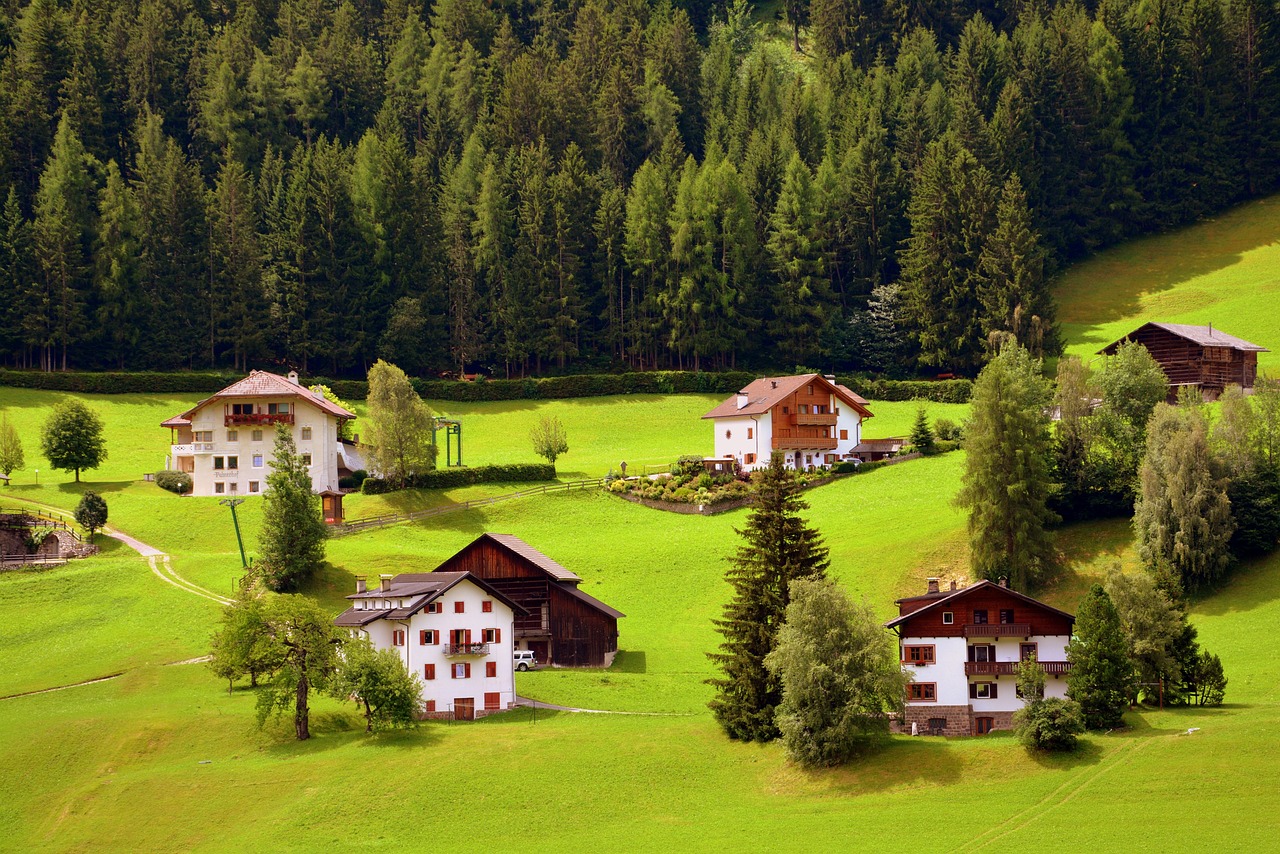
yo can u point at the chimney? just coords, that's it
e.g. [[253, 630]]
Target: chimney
[[742, 399], [953, 585], [1004, 581], [933, 584], [774, 383], [360, 585], [386, 583], [831, 377], [293, 377]]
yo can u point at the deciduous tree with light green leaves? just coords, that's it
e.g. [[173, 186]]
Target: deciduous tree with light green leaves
[[243, 645], [839, 673], [1182, 518], [308, 646], [91, 513], [549, 439], [72, 438], [378, 681], [11, 456], [399, 426], [1006, 479]]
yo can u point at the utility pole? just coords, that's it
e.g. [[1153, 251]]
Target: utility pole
[[233, 503]]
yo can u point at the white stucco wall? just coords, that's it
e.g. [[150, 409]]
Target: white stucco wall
[[445, 689], [737, 444], [947, 671], [849, 420], [323, 447]]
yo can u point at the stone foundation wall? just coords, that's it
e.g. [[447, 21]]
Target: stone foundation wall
[[959, 720]]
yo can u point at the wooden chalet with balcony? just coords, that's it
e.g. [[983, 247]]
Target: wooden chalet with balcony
[[963, 647], [560, 624], [811, 419], [1197, 357]]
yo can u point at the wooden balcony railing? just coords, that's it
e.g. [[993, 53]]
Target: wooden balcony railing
[[1010, 668], [811, 419], [258, 418], [452, 649], [997, 630], [813, 443]]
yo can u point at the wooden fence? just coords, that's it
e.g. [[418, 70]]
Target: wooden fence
[[364, 523]]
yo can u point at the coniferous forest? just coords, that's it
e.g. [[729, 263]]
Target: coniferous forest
[[529, 186]]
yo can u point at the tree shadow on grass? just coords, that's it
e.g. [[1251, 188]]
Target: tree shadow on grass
[[893, 764], [98, 486], [333, 730], [1087, 752]]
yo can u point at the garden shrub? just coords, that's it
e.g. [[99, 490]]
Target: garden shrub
[[946, 430], [174, 481], [449, 478], [1050, 724]]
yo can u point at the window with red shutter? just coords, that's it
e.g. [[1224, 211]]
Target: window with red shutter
[[428, 671], [486, 606], [422, 637], [431, 705], [491, 669], [492, 701], [397, 637], [468, 669], [459, 607]]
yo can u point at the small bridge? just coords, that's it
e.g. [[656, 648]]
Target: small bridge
[[39, 536]]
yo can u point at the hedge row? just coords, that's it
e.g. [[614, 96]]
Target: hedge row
[[448, 478], [546, 388]]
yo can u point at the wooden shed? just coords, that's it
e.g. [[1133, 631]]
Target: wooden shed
[[1197, 356], [563, 625]]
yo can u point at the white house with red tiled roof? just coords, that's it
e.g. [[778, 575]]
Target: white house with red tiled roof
[[963, 648], [811, 419], [225, 441], [454, 632]]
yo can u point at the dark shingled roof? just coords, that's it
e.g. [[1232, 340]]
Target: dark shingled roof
[[419, 588], [537, 558], [946, 596], [767, 392], [1205, 336]]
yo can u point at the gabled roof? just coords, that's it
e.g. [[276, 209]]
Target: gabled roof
[[767, 392], [945, 597], [1205, 336], [264, 384], [420, 588], [514, 544]]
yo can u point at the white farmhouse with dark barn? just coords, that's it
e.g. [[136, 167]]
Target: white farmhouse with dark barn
[[812, 419], [963, 648], [454, 632]]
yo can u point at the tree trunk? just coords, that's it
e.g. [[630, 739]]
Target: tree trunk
[[301, 712], [368, 716]]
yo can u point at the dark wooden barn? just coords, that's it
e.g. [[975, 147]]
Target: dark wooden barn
[[1197, 356], [564, 626]]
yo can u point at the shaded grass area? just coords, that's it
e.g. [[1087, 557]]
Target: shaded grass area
[[1224, 271]]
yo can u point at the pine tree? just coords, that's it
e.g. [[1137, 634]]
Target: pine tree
[[1006, 479], [1014, 292], [291, 543], [118, 274], [802, 296], [1101, 678], [25, 312], [778, 548], [238, 302]]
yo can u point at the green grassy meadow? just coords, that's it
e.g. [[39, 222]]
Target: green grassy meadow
[[1224, 271], [162, 758]]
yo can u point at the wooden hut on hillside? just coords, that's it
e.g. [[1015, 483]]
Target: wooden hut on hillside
[[562, 625], [1197, 356]]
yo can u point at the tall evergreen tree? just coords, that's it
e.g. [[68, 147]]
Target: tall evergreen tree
[[291, 543], [1013, 290], [1006, 479], [802, 297], [778, 548], [117, 275], [238, 303], [1101, 678]]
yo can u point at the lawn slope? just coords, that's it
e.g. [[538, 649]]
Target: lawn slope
[[1224, 271]]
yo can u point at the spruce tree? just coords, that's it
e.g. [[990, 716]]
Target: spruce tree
[[779, 547], [1006, 478], [1014, 291], [1101, 678], [291, 543], [117, 277], [802, 296]]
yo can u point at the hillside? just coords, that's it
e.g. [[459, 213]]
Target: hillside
[[169, 743], [1224, 271]]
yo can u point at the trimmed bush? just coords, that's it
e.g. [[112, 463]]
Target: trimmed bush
[[174, 481], [1050, 724], [938, 391], [113, 382], [449, 478]]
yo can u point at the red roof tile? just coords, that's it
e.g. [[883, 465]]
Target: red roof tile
[[263, 384], [767, 392]]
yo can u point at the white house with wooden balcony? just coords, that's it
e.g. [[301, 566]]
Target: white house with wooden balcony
[[813, 420], [454, 632], [963, 648], [225, 442]]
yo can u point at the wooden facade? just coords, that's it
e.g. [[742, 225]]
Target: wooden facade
[[1197, 357], [563, 626], [987, 612]]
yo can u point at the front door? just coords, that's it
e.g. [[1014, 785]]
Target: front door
[[982, 726], [464, 708]]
